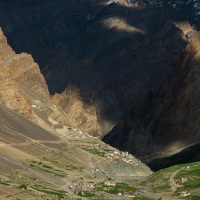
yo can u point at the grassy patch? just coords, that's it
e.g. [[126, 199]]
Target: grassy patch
[[125, 187], [94, 151], [161, 188], [67, 167], [72, 168], [191, 173], [46, 168], [160, 177], [87, 194], [33, 161], [141, 198], [40, 188], [159, 181], [4, 183], [193, 198], [119, 188]]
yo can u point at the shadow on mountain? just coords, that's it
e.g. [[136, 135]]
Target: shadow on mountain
[[188, 10], [169, 121], [187, 155], [116, 55]]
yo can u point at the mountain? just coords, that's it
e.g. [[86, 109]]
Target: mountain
[[43, 155], [24, 90], [99, 58], [178, 181], [124, 71], [169, 123]]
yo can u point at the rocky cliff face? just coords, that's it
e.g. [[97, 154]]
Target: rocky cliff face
[[19, 71], [81, 110], [169, 122], [114, 53], [43, 155], [23, 88]]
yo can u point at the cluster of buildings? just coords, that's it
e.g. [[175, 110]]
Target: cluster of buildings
[[125, 156]]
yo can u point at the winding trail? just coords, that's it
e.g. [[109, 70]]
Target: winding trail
[[172, 182]]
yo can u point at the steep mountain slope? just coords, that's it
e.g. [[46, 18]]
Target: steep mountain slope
[[177, 182], [23, 88], [19, 71], [42, 155], [169, 122], [36, 164], [101, 60], [110, 54]]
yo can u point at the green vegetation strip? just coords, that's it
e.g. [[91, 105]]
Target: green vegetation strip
[[188, 177], [94, 151], [4, 183], [46, 168], [87, 194], [119, 188], [191, 174], [141, 198], [65, 167], [40, 188]]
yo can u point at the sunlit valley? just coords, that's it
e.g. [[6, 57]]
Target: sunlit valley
[[99, 99]]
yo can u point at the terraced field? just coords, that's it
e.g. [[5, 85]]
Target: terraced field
[[179, 182]]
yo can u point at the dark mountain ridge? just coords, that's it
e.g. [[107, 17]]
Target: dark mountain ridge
[[116, 65], [169, 122], [110, 54]]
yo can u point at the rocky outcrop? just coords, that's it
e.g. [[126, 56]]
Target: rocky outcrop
[[19, 71], [187, 10], [114, 53], [23, 88], [79, 109], [169, 122]]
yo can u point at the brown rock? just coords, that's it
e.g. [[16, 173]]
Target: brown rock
[[22, 86], [80, 110]]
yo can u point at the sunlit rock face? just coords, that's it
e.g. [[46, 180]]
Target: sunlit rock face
[[115, 53], [169, 122], [19, 73], [23, 88]]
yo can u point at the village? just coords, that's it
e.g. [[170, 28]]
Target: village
[[107, 188]]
